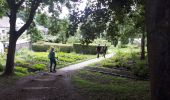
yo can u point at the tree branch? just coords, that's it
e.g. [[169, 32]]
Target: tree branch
[[9, 2], [34, 6], [19, 3]]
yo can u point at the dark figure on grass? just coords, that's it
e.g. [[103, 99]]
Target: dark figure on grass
[[52, 57], [104, 50], [98, 49]]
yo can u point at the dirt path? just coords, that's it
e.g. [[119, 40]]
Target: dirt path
[[47, 86]]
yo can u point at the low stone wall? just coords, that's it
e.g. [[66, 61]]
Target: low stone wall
[[24, 45], [20, 45]]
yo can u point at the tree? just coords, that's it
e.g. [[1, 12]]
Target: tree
[[42, 19], [158, 36], [14, 34], [35, 33], [106, 15], [59, 27], [139, 18], [14, 7], [3, 7], [87, 32], [64, 30]]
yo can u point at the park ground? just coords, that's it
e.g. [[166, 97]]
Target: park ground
[[89, 80]]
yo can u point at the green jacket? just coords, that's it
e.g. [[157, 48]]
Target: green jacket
[[51, 55]]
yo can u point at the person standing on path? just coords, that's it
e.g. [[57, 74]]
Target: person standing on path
[[104, 50], [52, 57], [98, 49]]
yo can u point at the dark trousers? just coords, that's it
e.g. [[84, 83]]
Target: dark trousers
[[52, 61], [104, 53], [98, 53]]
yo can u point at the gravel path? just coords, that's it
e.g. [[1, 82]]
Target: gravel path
[[48, 86]]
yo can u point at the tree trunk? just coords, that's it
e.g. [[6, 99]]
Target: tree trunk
[[158, 29], [9, 70], [14, 35], [143, 46]]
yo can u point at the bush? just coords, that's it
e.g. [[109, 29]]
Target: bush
[[43, 47], [38, 67], [25, 54], [49, 38], [101, 41], [73, 40], [40, 47], [141, 69], [1, 67], [21, 70], [22, 63], [41, 59], [79, 48]]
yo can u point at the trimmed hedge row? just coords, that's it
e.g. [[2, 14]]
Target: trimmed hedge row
[[79, 48], [43, 47]]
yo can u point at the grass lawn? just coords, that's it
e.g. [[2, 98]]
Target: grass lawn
[[97, 86]]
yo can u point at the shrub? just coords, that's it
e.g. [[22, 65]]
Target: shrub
[[101, 41], [109, 65], [25, 54], [38, 67], [20, 74], [69, 60], [43, 47], [22, 63], [41, 59], [21, 70], [40, 47], [1, 67], [73, 40], [141, 69], [50, 38], [79, 48]]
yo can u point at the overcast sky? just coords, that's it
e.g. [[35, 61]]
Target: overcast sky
[[65, 11]]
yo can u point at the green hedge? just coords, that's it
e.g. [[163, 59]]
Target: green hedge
[[43, 47], [79, 48]]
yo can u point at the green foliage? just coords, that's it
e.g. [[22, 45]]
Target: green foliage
[[141, 69], [73, 39], [3, 6], [42, 19], [68, 58], [37, 61], [84, 49], [119, 60], [129, 59], [88, 32], [39, 67], [43, 47], [101, 41], [41, 59], [40, 47], [59, 28], [22, 63], [35, 33], [50, 38], [21, 70], [25, 54]]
